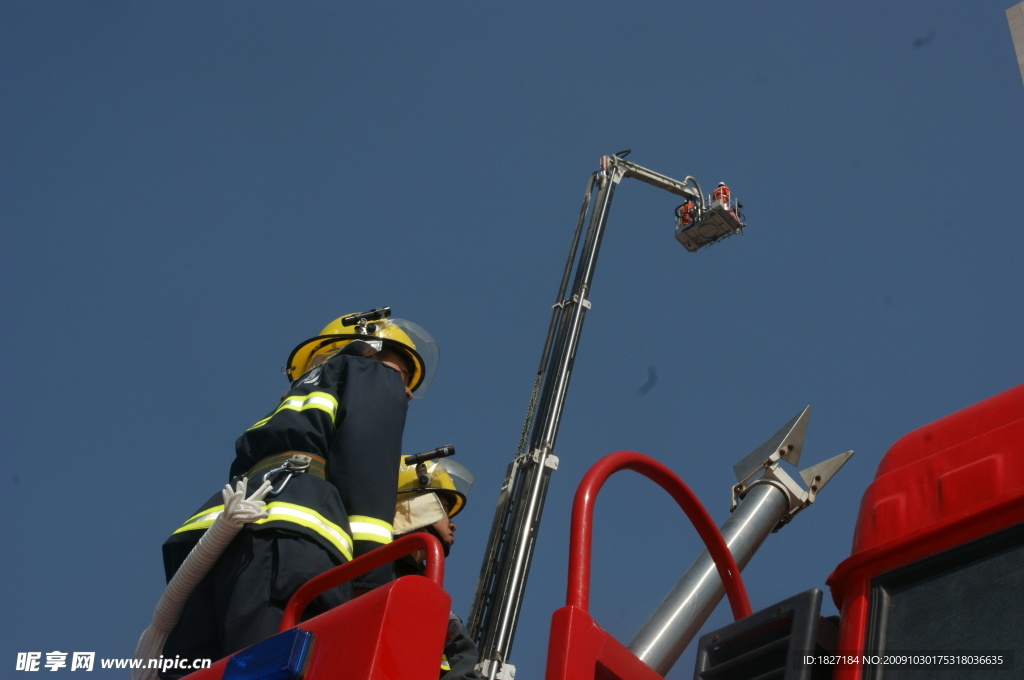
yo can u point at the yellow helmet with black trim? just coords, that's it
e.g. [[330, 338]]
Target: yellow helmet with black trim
[[444, 477], [400, 335]]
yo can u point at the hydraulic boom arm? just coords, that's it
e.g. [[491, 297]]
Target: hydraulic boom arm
[[503, 574]]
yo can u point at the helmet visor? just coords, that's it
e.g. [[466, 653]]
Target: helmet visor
[[461, 478], [418, 343]]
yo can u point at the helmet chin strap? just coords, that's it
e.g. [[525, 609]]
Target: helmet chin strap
[[444, 544]]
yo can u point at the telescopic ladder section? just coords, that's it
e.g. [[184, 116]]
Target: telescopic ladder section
[[506, 564]]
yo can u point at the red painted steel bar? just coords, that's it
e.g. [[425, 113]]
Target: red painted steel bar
[[406, 545], [580, 537]]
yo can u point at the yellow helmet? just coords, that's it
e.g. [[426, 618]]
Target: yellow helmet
[[377, 331], [443, 477]]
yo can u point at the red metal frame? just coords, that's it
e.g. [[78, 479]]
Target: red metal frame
[[578, 648], [406, 545], [580, 539], [394, 632]]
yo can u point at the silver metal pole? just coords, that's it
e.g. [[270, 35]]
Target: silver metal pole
[[665, 635]]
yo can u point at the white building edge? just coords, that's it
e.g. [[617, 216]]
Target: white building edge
[[1015, 16]]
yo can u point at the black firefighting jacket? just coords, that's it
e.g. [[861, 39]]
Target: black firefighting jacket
[[350, 411]]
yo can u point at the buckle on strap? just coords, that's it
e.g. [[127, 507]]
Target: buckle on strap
[[316, 465], [297, 464]]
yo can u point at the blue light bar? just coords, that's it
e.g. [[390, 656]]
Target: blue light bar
[[282, 657]]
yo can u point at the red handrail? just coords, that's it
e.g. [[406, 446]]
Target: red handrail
[[580, 536], [400, 547]]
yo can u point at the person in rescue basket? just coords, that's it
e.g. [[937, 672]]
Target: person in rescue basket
[[329, 448], [430, 494]]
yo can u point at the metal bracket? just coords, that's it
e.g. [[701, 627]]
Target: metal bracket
[[582, 301], [550, 459], [786, 444], [504, 671], [762, 466]]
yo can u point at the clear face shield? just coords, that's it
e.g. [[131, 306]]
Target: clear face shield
[[462, 479], [414, 339]]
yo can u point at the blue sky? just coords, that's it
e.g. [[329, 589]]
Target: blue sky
[[192, 188]]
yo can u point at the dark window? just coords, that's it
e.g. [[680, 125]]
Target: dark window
[[968, 600]]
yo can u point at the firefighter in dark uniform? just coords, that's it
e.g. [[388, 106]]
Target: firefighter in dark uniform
[[329, 448], [430, 494]]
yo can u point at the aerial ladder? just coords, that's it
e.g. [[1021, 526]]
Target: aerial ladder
[[702, 221]]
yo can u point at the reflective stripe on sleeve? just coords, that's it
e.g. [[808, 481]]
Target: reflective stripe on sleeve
[[201, 520], [318, 400], [371, 529], [283, 512]]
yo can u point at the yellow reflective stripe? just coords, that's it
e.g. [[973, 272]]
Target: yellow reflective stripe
[[201, 520], [371, 529], [318, 400], [445, 667], [297, 514], [283, 512]]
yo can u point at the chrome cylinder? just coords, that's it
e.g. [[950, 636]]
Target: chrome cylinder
[[673, 625]]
